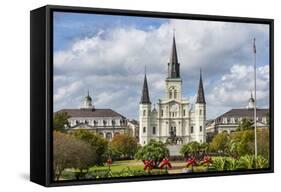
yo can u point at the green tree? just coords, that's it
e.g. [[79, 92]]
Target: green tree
[[95, 140], [154, 150], [70, 152], [60, 121], [219, 143], [194, 149], [204, 148], [124, 145], [245, 124], [243, 141]]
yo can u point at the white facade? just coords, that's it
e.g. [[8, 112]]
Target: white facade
[[105, 122], [173, 115]]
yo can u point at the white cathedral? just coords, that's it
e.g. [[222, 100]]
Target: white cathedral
[[174, 120]]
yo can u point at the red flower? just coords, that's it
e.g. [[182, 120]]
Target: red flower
[[109, 161], [148, 164], [207, 160], [165, 163], [191, 161]]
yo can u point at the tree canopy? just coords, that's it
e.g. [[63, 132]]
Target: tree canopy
[[70, 152], [60, 121], [219, 142], [124, 145], [95, 140], [154, 150], [194, 148], [245, 124]]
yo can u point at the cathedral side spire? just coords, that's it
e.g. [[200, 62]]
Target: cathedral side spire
[[200, 93], [173, 65], [145, 93]]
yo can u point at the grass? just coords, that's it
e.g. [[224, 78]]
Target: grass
[[117, 167], [134, 165]]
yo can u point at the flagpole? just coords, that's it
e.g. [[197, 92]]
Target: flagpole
[[255, 103]]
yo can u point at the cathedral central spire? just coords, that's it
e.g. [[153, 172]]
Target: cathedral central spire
[[173, 65]]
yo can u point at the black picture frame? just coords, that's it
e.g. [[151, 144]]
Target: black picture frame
[[41, 99]]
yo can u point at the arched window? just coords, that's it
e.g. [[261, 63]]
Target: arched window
[[144, 113], [191, 129], [200, 112], [154, 130], [200, 128], [175, 94], [184, 112], [171, 95], [144, 129], [162, 113]]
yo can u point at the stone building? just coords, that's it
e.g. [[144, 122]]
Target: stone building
[[174, 119], [229, 121], [105, 122]]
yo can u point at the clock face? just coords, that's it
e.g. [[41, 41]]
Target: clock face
[[174, 107]]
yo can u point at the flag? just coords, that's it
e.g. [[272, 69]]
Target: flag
[[254, 46]]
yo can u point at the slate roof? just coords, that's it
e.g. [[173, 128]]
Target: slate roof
[[135, 122], [200, 93], [174, 66], [91, 113], [145, 93], [247, 113]]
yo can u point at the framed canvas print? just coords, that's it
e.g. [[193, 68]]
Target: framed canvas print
[[122, 95]]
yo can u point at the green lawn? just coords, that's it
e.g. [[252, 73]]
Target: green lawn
[[120, 165], [130, 165]]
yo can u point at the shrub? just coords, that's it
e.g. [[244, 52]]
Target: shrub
[[154, 150], [220, 163], [248, 161], [262, 162]]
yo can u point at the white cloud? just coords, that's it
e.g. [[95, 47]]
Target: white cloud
[[111, 64], [234, 88]]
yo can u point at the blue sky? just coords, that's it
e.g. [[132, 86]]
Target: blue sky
[[70, 26], [107, 54]]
